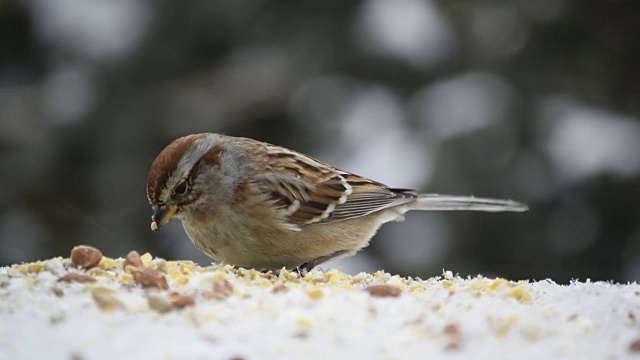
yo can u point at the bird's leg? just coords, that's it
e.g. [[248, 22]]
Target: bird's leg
[[309, 265], [300, 270], [266, 271]]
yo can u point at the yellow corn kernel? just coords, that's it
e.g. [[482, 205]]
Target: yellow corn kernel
[[495, 283], [36, 267], [147, 259], [106, 263], [520, 294], [262, 282], [315, 293]]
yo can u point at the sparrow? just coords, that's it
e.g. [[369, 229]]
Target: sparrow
[[252, 204]]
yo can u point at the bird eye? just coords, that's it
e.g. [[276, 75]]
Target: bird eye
[[181, 189]]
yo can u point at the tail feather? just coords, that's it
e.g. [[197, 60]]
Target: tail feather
[[469, 203]]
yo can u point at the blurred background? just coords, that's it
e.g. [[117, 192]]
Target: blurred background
[[530, 100]]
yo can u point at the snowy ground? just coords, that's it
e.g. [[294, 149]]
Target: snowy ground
[[219, 312]]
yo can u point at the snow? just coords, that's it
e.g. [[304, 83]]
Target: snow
[[244, 314]]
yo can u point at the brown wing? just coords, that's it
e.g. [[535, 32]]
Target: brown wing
[[308, 191], [369, 196]]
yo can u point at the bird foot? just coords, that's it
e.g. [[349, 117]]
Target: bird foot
[[309, 265]]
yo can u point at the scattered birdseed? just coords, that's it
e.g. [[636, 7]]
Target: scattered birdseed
[[181, 301], [132, 259], [383, 291], [106, 300], [224, 310], [85, 256], [76, 277], [149, 277], [159, 302], [279, 288], [453, 337], [222, 289], [315, 293]]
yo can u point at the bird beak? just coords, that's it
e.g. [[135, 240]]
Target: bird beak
[[162, 215]]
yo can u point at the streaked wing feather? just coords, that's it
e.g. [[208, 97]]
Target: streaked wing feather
[[326, 194], [369, 200]]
